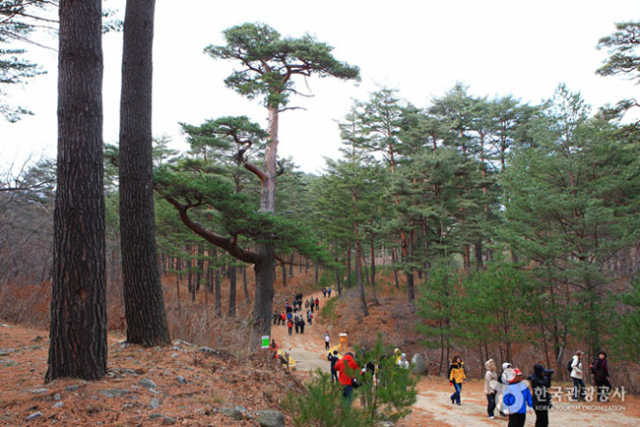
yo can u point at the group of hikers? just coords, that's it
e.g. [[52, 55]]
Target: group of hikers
[[513, 397], [293, 315], [345, 368], [506, 392]]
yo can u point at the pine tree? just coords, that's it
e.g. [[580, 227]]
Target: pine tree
[[78, 328]]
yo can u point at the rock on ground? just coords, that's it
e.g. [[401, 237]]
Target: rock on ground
[[270, 418], [419, 365]]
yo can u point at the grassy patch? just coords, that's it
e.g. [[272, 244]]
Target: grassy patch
[[329, 309]]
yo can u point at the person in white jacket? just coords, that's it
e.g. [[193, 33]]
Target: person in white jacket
[[403, 362], [577, 376]]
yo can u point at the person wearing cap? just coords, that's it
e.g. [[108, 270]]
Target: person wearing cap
[[456, 377], [540, 383], [347, 368], [489, 376], [516, 399], [333, 358], [507, 374], [577, 376]]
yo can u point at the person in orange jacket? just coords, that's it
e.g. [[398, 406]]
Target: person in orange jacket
[[347, 369]]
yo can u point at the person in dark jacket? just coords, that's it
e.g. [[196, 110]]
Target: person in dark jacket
[[540, 384], [600, 371], [302, 325], [333, 358]]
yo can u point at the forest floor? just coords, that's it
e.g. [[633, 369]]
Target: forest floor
[[189, 387], [194, 388]]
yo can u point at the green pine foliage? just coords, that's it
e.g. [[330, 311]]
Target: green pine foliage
[[388, 398]]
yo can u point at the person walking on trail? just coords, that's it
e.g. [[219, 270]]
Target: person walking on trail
[[324, 292], [329, 292], [306, 304], [297, 324], [309, 315], [283, 318], [600, 371], [490, 375], [275, 317], [333, 358], [290, 326], [456, 377], [347, 369], [540, 384], [317, 304], [516, 398], [577, 375], [327, 338], [302, 325]]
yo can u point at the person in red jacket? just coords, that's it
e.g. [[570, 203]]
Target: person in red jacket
[[347, 369]]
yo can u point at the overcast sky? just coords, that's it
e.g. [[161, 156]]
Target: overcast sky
[[420, 47]]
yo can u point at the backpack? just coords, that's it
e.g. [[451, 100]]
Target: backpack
[[569, 367]]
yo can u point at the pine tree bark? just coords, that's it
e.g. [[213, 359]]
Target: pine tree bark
[[394, 260], [284, 275], [232, 290], [247, 299], [78, 329], [373, 269], [218, 289], [143, 295]]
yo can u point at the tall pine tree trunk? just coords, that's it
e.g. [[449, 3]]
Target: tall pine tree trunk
[[349, 265], [78, 329], [360, 282], [291, 265], [394, 260], [373, 269], [218, 289], [284, 275], [143, 296], [232, 290], [410, 284], [265, 273], [247, 299]]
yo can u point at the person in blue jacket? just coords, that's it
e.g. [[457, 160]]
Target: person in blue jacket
[[515, 399]]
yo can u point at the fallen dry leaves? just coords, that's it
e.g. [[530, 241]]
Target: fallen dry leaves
[[186, 387]]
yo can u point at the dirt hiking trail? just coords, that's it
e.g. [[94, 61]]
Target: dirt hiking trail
[[433, 407]]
